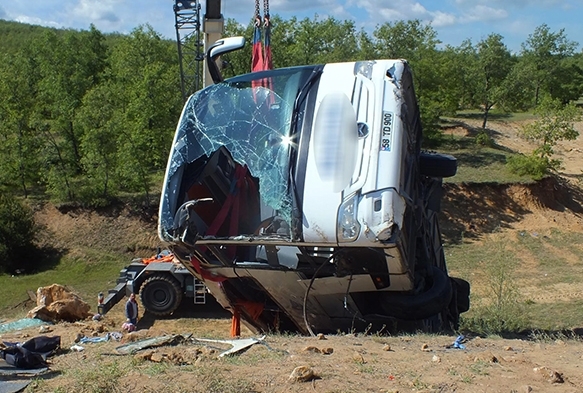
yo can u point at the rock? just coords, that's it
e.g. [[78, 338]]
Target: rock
[[157, 357], [549, 375], [176, 359], [321, 336], [487, 357], [312, 349], [45, 329], [526, 389], [436, 359], [509, 348], [425, 348], [358, 358], [301, 374], [327, 351], [144, 355], [56, 303], [386, 347]]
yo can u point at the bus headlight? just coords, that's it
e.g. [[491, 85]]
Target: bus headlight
[[348, 225]]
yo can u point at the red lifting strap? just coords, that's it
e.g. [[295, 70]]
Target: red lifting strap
[[261, 55]]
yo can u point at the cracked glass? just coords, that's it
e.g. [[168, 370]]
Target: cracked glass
[[251, 116]]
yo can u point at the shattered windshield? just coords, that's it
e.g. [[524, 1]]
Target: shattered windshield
[[250, 115]]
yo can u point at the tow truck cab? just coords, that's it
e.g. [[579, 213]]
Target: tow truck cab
[[301, 197]]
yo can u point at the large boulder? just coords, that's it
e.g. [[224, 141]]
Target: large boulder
[[56, 303]]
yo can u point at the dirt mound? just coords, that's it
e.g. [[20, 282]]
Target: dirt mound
[[120, 229], [470, 210]]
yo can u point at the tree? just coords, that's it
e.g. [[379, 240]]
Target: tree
[[19, 145], [555, 123], [98, 118], [145, 80], [69, 64], [543, 54], [486, 68], [17, 235]]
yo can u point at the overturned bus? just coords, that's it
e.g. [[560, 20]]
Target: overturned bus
[[303, 200]]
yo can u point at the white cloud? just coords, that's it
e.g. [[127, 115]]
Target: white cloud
[[441, 19], [95, 12], [483, 13], [32, 20]]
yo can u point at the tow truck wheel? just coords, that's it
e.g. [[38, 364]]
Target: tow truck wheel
[[160, 295]]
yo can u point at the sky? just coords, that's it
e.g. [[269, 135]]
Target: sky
[[454, 20]]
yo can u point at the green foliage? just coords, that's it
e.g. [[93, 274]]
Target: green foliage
[[87, 116], [483, 139], [486, 68], [17, 235], [542, 58], [528, 165], [498, 310], [19, 143], [555, 123]]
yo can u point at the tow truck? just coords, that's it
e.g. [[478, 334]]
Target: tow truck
[[161, 282]]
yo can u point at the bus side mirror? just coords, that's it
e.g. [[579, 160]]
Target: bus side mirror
[[222, 46]]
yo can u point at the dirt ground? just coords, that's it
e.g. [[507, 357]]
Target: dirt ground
[[339, 363], [336, 363]]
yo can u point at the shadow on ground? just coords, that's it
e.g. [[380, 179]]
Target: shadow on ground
[[187, 309]]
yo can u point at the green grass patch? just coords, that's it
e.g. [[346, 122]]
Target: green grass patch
[[494, 114], [498, 266], [86, 278], [478, 163], [555, 316]]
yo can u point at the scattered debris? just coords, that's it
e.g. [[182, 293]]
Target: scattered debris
[[31, 354], [108, 336], [238, 345], [20, 324], [151, 343], [7, 370], [436, 359], [458, 342], [77, 348], [13, 386]]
